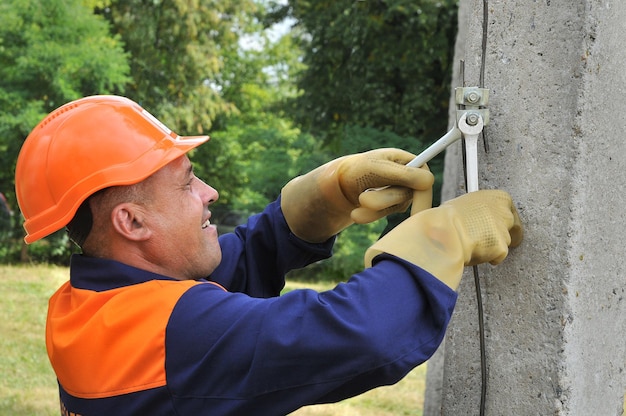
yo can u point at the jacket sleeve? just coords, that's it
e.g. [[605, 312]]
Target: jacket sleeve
[[235, 354], [257, 255]]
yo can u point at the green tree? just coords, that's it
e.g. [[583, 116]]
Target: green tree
[[382, 64], [51, 52], [264, 147], [178, 51], [241, 136]]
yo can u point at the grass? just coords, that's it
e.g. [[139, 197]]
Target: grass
[[28, 385]]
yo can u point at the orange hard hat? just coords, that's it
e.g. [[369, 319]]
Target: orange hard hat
[[84, 146]]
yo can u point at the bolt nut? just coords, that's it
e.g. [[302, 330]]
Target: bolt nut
[[472, 119], [472, 97]]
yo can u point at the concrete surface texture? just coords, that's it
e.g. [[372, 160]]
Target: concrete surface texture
[[555, 310]]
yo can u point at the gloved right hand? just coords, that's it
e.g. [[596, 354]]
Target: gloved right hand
[[475, 228], [325, 201]]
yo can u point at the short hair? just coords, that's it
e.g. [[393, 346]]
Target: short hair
[[80, 225], [104, 200]]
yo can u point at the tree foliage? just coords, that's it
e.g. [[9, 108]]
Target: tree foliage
[[177, 50], [259, 148], [382, 64], [51, 52]]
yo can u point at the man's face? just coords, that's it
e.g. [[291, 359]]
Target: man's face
[[184, 243]]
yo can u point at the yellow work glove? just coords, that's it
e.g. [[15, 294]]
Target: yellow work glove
[[325, 201], [475, 228]]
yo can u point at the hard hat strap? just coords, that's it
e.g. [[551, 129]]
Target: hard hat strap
[[80, 226]]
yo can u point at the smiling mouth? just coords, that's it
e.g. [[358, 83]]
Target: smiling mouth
[[206, 223]]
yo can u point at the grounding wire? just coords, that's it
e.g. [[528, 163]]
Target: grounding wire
[[479, 301]]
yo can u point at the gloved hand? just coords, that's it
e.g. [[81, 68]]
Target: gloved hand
[[323, 202], [475, 228]]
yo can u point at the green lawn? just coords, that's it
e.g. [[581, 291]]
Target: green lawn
[[28, 385]]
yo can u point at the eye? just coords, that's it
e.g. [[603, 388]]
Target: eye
[[187, 185]]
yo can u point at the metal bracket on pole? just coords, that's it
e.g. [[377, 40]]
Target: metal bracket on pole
[[472, 108], [472, 115]]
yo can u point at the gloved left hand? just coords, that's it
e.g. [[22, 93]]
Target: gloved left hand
[[475, 228], [325, 201]]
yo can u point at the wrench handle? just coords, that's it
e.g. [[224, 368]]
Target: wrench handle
[[434, 149], [471, 153]]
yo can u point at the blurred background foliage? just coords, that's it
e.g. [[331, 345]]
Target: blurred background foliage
[[281, 87]]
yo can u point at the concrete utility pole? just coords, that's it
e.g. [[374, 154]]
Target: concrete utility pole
[[555, 310]]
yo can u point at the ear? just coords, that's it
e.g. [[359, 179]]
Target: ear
[[128, 220]]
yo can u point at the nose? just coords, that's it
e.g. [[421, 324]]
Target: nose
[[214, 195], [209, 194]]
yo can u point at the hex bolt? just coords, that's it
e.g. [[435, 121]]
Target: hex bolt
[[472, 118], [472, 97]]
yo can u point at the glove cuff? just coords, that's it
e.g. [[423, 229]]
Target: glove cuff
[[314, 205]]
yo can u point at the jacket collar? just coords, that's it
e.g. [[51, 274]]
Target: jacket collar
[[103, 274]]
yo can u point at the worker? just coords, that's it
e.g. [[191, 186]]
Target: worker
[[162, 316]]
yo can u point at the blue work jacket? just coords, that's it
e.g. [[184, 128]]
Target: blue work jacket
[[124, 341]]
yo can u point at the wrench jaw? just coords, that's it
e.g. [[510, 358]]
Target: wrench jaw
[[470, 135]]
